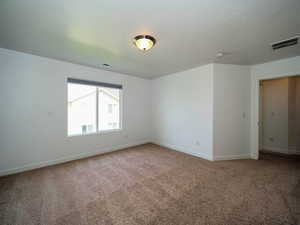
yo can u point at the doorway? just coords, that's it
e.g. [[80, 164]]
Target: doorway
[[279, 116]]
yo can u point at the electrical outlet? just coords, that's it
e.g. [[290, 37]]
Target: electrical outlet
[[271, 139], [198, 143], [126, 136]]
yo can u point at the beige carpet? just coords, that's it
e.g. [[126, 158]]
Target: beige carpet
[[153, 185]]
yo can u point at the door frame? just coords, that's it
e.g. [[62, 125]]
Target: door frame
[[255, 95]]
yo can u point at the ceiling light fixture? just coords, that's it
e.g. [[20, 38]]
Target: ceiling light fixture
[[222, 54], [144, 42], [219, 54]]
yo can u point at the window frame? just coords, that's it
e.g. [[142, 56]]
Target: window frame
[[97, 111]]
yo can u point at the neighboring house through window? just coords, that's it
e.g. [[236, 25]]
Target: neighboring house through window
[[110, 108], [93, 106]]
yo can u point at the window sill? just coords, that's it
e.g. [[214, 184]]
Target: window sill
[[95, 133]]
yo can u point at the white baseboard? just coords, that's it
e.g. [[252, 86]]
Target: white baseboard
[[197, 154], [288, 151], [294, 151], [69, 158], [254, 156], [232, 157], [275, 149], [184, 149]]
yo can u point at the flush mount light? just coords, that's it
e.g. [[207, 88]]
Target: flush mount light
[[144, 42], [222, 54], [219, 54]]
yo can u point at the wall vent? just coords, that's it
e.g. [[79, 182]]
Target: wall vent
[[285, 43]]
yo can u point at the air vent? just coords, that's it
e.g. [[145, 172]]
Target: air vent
[[285, 43]]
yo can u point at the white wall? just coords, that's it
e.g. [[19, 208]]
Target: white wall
[[231, 111], [204, 111], [275, 69], [189, 111], [275, 110], [33, 115], [183, 111]]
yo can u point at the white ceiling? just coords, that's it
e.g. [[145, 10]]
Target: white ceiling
[[189, 33]]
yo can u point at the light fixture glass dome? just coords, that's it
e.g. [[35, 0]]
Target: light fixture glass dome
[[144, 42]]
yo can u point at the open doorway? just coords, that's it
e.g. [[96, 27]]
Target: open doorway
[[279, 116]]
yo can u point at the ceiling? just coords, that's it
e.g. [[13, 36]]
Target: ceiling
[[189, 33]]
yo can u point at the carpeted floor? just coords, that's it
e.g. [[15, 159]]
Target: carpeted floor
[[152, 185]]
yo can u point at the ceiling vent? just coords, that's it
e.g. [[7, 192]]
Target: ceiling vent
[[285, 43]]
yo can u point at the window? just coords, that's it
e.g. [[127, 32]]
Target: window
[[110, 108], [93, 106]]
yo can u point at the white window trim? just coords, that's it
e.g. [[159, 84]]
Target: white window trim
[[99, 132], [120, 129]]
